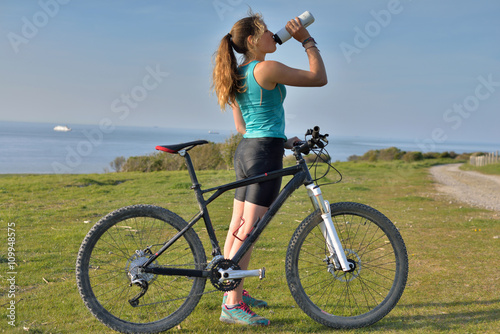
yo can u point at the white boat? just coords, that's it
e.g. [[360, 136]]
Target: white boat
[[62, 128]]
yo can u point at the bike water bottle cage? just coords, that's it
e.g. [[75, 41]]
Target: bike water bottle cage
[[179, 147]]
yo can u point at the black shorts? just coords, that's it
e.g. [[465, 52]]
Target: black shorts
[[255, 156]]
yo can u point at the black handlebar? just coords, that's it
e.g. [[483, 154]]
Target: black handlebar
[[317, 140]]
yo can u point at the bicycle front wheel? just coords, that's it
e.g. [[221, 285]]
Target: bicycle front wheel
[[348, 299], [113, 250]]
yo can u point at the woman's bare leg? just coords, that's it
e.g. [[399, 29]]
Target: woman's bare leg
[[238, 207], [251, 212]]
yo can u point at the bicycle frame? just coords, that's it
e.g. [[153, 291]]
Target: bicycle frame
[[301, 176], [119, 260]]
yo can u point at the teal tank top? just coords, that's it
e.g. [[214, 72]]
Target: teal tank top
[[262, 109]]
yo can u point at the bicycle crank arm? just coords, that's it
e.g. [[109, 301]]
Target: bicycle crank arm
[[230, 274]]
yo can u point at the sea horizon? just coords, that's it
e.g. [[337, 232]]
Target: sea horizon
[[35, 148]]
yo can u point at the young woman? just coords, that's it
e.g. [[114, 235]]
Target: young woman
[[255, 90]]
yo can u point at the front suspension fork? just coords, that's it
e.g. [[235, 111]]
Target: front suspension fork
[[327, 228]]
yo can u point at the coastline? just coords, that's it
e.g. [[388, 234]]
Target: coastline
[[34, 148]]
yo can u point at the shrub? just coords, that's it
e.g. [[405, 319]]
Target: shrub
[[354, 157], [431, 155], [371, 155], [463, 157], [229, 148], [413, 156], [391, 153], [151, 163], [117, 164], [208, 156], [445, 155]]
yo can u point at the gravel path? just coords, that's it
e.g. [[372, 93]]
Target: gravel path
[[473, 188]]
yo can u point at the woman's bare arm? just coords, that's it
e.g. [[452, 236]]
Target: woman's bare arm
[[239, 122]]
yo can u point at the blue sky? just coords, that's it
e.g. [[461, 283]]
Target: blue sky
[[420, 69]]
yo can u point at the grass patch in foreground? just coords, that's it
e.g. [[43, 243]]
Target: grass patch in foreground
[[453, 249]]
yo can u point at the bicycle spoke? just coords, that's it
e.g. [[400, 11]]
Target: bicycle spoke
[[342, 295], [119, 244]]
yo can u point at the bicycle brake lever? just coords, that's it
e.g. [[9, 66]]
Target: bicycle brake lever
[[325, 138]]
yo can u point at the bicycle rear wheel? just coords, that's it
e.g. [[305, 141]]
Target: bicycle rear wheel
[[348, 299], [117, 244]]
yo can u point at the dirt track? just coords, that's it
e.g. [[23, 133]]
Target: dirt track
[[473, 188]]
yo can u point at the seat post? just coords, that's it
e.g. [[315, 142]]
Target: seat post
[[190, 167]]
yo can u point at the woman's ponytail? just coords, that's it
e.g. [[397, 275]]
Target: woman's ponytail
[[225, 78], [225, 75]]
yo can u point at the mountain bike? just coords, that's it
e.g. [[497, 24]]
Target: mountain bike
[[143, 268]]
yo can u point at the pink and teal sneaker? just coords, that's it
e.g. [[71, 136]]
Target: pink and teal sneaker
[[242, 315], [249, 300]]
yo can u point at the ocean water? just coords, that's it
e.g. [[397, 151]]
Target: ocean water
[[37, 148]]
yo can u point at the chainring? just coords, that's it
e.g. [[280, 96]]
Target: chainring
[[215, 277]]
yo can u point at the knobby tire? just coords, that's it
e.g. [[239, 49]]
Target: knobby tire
[[348, 300], [109, 251]]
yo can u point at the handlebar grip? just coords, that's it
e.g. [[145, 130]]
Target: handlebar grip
[[301, 146]]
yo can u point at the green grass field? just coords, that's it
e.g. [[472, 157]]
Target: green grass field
[[453, 249]]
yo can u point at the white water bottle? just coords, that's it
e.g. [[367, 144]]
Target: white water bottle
[[282, 36]]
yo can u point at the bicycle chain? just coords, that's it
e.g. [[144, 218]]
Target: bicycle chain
[[210, 266], [172, 300]]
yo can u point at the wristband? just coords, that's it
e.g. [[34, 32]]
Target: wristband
[[307, 40]]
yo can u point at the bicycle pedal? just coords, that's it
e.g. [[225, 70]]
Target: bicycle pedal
[[262, 273]]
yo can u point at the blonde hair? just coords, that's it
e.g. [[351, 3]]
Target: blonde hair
[[225, 79]]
